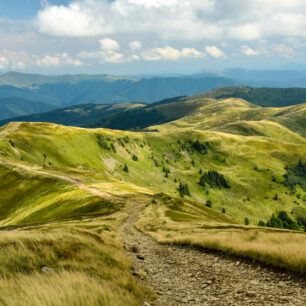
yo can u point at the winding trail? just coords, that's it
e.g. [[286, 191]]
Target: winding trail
[[185, 276]]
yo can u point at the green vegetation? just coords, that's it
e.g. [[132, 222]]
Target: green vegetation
[[268, 97], [78, 115], [200, 147], [184, 190], [213, 179], [282, 221], [296, 176]]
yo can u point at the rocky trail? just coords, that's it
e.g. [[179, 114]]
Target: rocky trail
[[185, 276]]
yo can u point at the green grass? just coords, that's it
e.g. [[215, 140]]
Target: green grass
[[28, 198]]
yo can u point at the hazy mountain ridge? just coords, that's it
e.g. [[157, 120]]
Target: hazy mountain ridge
[[104, 89]]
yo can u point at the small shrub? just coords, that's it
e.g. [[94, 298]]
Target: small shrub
[[208, 203], [135, 158], [126, 139], [261, 223], [113, 148], [126, 168], [223, 211], [246, 221], [183, 190]]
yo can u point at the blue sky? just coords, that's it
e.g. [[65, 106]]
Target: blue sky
[[151, 36]]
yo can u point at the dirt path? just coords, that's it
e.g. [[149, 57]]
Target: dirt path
[[183, 276]]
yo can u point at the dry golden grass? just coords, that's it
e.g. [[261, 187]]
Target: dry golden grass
[[87, 263], [169, 224]]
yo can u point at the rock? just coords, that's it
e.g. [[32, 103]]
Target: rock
[[285, 298], [254, 282], [146, 304], [46, 269], [237, 263], [250, 293], [140, 257]]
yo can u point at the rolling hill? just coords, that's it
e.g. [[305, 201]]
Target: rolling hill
[[203, 111]]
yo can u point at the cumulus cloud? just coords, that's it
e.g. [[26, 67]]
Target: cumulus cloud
[[21, 60], [249, 51], [281, 50], [136, 52], [108, 44], [214, 52], [176, 19]]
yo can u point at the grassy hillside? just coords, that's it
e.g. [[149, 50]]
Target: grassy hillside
[[251, 155], [76, 115], [205, 113], [207, 179]]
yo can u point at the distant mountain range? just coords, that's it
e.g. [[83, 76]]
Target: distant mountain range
[[26, 94], [133, 116], [63, 91]]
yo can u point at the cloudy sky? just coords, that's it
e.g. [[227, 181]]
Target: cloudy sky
[[151, 36]]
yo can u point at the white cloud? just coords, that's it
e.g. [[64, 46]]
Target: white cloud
[[21, 60], [3, 62], [249, 51], [61, 59], [136, 52], [176, 19], [283, 50], [269, 50], [170, 53], [135, 45], [76, 19], [191, 52], [214, 51], [108, 44], [157, 54]]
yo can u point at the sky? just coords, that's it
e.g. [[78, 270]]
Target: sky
[[151, 36]]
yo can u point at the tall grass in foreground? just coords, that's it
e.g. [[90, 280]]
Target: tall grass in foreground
[[187, 224], [85, 260]]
